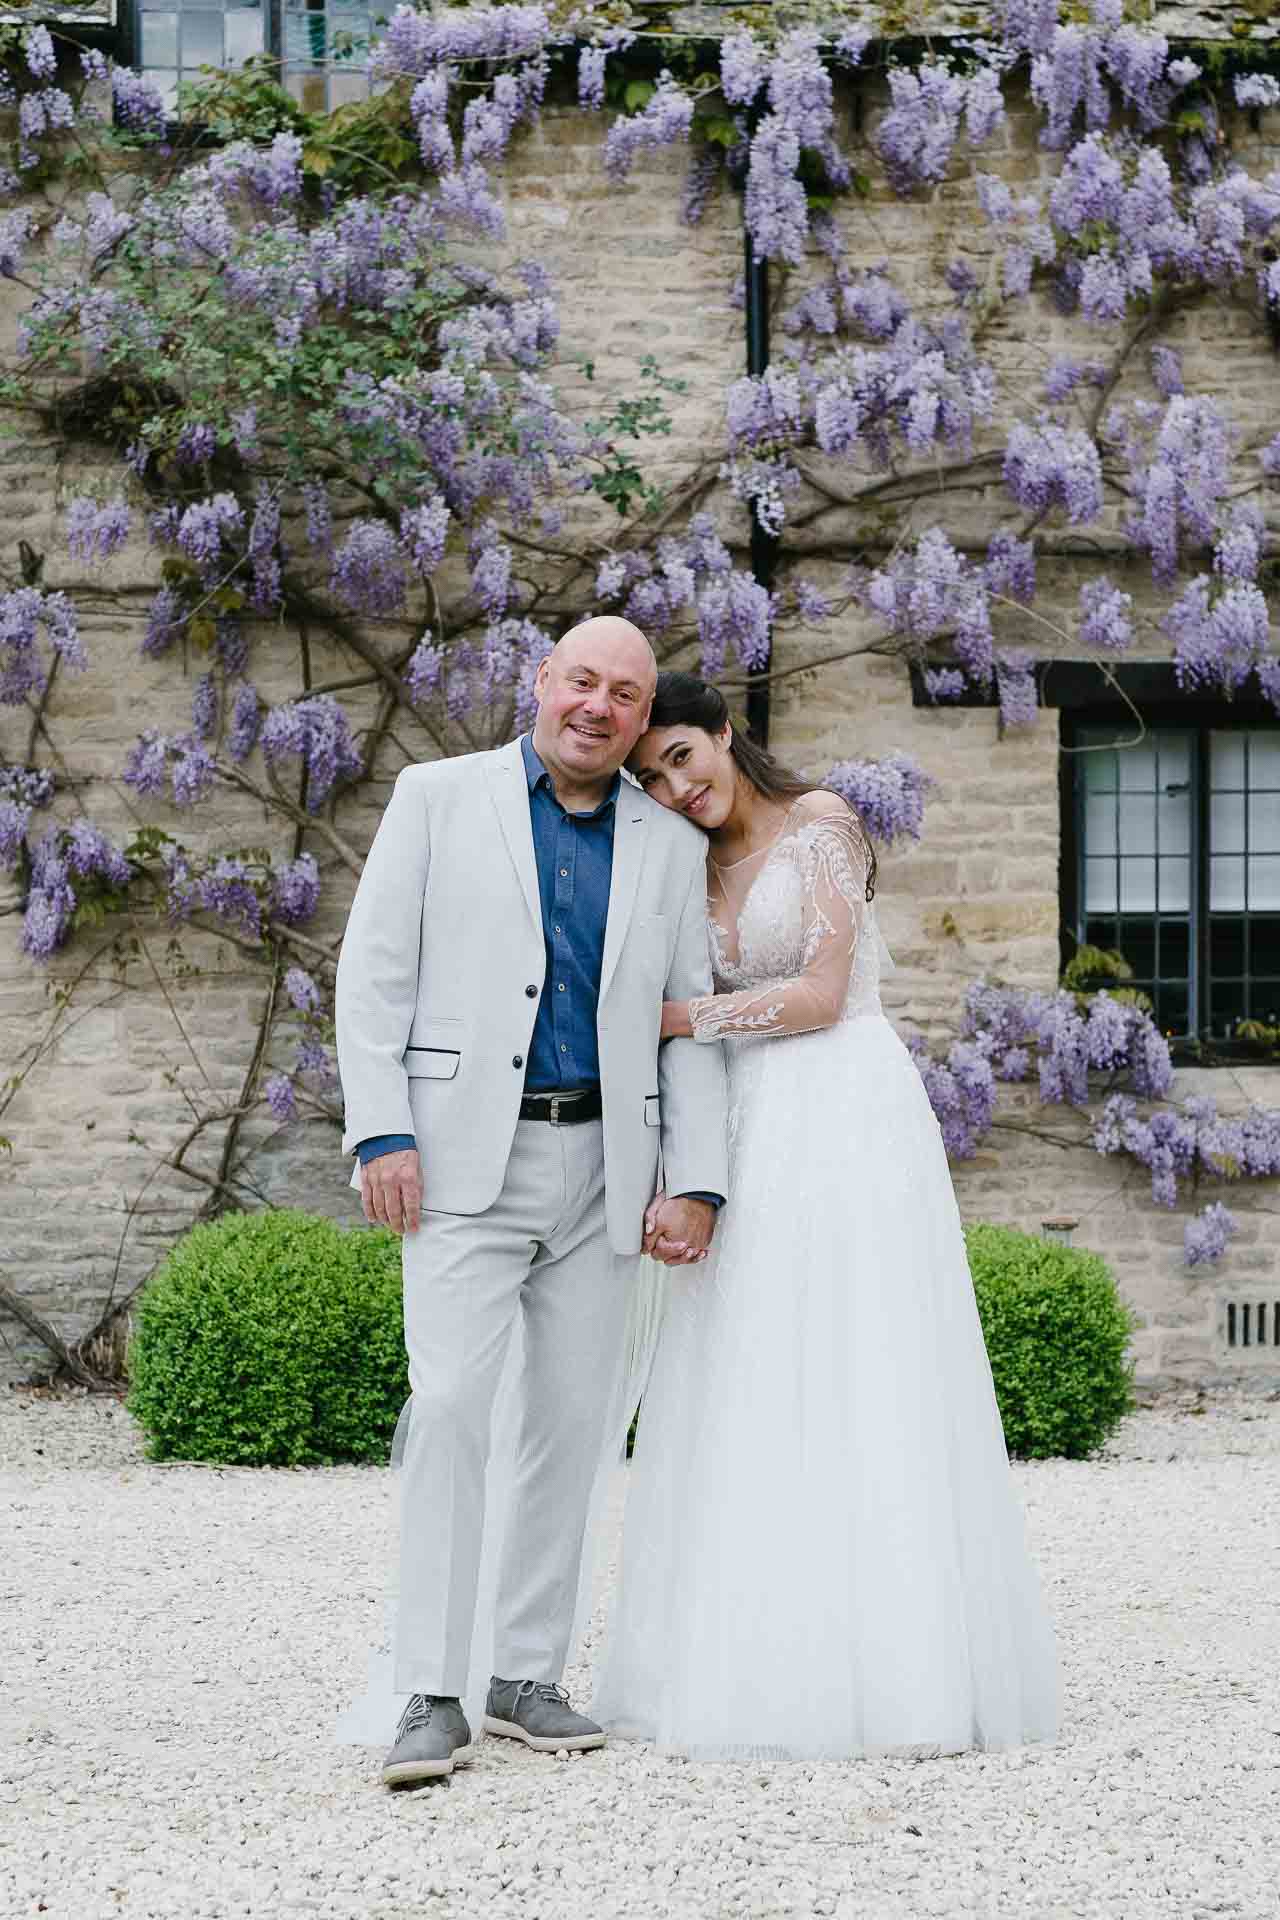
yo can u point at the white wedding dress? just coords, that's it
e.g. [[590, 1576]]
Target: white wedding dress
[[823, 1552]]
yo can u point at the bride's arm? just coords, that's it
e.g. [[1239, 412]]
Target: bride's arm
[[833, 853]]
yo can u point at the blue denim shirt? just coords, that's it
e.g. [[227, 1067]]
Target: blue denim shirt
[[573, 853]]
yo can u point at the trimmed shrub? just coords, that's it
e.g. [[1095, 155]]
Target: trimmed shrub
[[272, 1339], [1056, 1333]]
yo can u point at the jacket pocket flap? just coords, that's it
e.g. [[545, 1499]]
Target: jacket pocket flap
[[431, 1063]]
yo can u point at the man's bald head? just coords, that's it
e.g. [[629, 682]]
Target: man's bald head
[[609, 632], [594, 691]]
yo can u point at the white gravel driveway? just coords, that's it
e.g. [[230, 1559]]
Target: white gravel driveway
[[178, 1639]]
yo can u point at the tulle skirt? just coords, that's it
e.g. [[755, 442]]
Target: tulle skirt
[[823, 1550]]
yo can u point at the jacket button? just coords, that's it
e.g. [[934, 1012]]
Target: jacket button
[[518, 1061], [531, 993]]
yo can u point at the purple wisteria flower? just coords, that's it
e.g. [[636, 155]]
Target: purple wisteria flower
[[40, 54], [228, 890], [242, 734], [1049, 466], [591, 66], [316, 732], [15, 818], [368, 572], [204, 527], [166, 620], [295, 891], [962, 1093], [744, 68], [944, 683], [888, 795], [1010, 567], [95, 532], [735, 619], [1166, 372], [423, 674], [280, 1097], [204, 708], [1257, 90], [146, 766], [138, 105], [1016, 686], [1106, 624], [665, 119], [27, 617], [1207, 1236], [302, 991], [1179, 490]]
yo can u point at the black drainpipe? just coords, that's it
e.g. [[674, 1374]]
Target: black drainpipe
[[764, 546]]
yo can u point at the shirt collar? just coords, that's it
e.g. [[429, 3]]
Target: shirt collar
[[537, 776]]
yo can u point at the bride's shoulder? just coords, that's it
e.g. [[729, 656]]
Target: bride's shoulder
[[820, 807]]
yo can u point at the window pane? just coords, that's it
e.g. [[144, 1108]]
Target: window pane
[[1099, 769], [1137, 824], [347, 87], [1099, 886], [1226, 883], [1138, 945], [1171, 1009], [1264, 882], [1264, 822], [1100, 822], [1227, 1007], [1264, 945], [1226, 947], [244, 34], [1264, 1001], [1137, 768], [1264, 759], [1175, 949], [1137, 886], [1226, 823], [1175, 759], [1226, 760], [159, 39], [1175, 886], [201, 39], [1173, 815]]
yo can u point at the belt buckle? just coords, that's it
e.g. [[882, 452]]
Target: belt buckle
[[554, 1114]]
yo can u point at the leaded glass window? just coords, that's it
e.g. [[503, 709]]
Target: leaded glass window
[[323, 45], [1177, 858]]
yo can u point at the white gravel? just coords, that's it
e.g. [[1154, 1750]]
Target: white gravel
[[178, 1639]]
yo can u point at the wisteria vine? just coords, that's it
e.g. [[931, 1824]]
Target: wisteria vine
[[326, 413]]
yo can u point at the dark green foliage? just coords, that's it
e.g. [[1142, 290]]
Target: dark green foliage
[[272, 1339], [1056, 1332]]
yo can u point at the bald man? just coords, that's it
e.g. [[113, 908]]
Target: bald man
[[521, 917]]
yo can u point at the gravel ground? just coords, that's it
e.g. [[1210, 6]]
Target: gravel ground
[[185, 1635]]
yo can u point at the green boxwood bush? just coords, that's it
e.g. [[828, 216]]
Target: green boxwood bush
[[271, 1339], [1056, 1333]]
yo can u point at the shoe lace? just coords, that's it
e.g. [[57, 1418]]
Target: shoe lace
[[544, 1690], [416, 1715]]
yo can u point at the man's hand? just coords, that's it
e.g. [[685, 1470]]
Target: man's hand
[[391, 1189], [678, 1232]]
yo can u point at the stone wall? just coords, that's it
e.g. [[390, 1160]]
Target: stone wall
[[87, 1201]]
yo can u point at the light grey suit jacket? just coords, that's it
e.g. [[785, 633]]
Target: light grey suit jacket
[[433, 1010]]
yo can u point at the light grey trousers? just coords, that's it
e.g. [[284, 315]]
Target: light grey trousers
[[540, 1251]]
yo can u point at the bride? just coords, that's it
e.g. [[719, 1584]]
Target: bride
[[823, 1551]]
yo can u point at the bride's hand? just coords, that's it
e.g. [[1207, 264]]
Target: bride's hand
[[675, 1020]]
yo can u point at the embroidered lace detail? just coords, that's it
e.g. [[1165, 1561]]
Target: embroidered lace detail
[[794, 946]]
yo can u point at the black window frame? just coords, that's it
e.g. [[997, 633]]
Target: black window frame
[[1188, 715], [129, 37]]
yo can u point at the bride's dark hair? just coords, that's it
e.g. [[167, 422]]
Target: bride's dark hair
[[682, 700]]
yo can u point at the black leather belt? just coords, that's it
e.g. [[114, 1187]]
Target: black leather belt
[[563, 1109]]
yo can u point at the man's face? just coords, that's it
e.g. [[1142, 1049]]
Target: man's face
[[594, 694]]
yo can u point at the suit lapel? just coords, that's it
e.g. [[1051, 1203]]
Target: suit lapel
[[628, 858], [509, 790]]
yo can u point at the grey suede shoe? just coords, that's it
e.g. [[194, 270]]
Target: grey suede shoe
[[432, 1737], [539, 1714]]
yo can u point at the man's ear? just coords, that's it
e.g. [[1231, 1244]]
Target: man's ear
[[541, 677]]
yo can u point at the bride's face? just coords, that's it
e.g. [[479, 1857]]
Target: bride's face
[[688, 770]]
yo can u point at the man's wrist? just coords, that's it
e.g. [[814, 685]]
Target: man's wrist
[[715, 1200], [380, 1143]]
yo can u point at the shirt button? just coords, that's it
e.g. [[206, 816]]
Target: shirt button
[[564, 873], [564, 1049], [531, 993], [555, 929], [518, 1061], [562, 986]]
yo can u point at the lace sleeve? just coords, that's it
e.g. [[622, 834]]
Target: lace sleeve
[[831, 853]]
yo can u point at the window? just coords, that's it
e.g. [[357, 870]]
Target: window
[[323, 44], [1174, 860]]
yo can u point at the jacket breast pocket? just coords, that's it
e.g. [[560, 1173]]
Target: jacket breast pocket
[[652, 1110], [432, 1063]]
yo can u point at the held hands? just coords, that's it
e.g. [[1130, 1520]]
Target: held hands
[[678, 1232], [391, 1189]]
